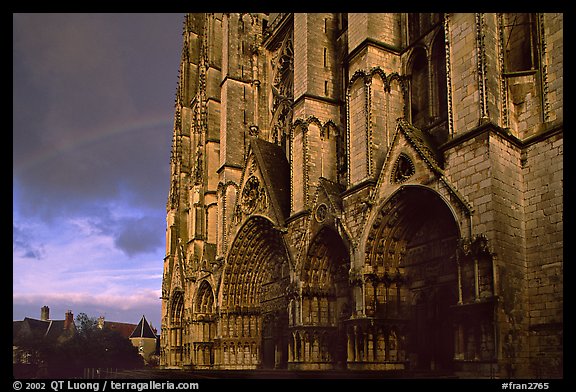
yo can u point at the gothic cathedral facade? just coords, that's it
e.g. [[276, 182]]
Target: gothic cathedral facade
[[367, 192]]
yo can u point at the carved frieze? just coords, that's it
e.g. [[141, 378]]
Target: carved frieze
[[473, 247]]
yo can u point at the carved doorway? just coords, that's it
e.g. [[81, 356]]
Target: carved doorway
[[275, 340], [319, 330], [413, 279], [254, 304], [432, 338]]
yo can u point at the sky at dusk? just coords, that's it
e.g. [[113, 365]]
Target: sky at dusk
[[93, 110]]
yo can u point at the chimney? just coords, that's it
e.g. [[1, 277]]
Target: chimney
[[45, 313], [69, 320]]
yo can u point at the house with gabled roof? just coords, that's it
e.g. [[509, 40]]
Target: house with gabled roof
[[45, 328], [34, 330]]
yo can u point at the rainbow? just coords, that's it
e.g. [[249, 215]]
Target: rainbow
[[93, 136]]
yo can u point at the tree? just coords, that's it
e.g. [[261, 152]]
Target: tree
[[86, 325], [94, 347]]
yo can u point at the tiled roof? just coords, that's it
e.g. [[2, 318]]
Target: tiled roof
[[55, 329], [143, 330], [124, 329]]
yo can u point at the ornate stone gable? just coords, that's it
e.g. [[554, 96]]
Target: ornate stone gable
[[326, 212], [253, 198], [413, 160], [264, 186]]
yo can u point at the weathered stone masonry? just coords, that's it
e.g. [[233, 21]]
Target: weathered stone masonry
[[367, 192]]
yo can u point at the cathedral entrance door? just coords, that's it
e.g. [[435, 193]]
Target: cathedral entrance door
[[268, 343], [413, 281], [254, 295], [433, 332], [274, 343]]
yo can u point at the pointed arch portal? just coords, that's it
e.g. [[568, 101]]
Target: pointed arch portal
[[204, 326], [253, 311], [321, 307], [411, 282], [177, 326]]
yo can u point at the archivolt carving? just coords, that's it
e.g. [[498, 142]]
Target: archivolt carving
[[257, 249]]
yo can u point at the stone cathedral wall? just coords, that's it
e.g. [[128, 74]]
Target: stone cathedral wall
[[466, 189]]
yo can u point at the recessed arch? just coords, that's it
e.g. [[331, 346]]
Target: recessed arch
[[176, 326], [357, 124], [177, 307], [255, 277], [328, 255], [204, 298], [324, 303], [439, 88], [412, 279], [203, 326]]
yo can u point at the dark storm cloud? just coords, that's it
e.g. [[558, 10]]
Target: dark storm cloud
[[93, 104], [133, 235], [24, 245], [138, 235]]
